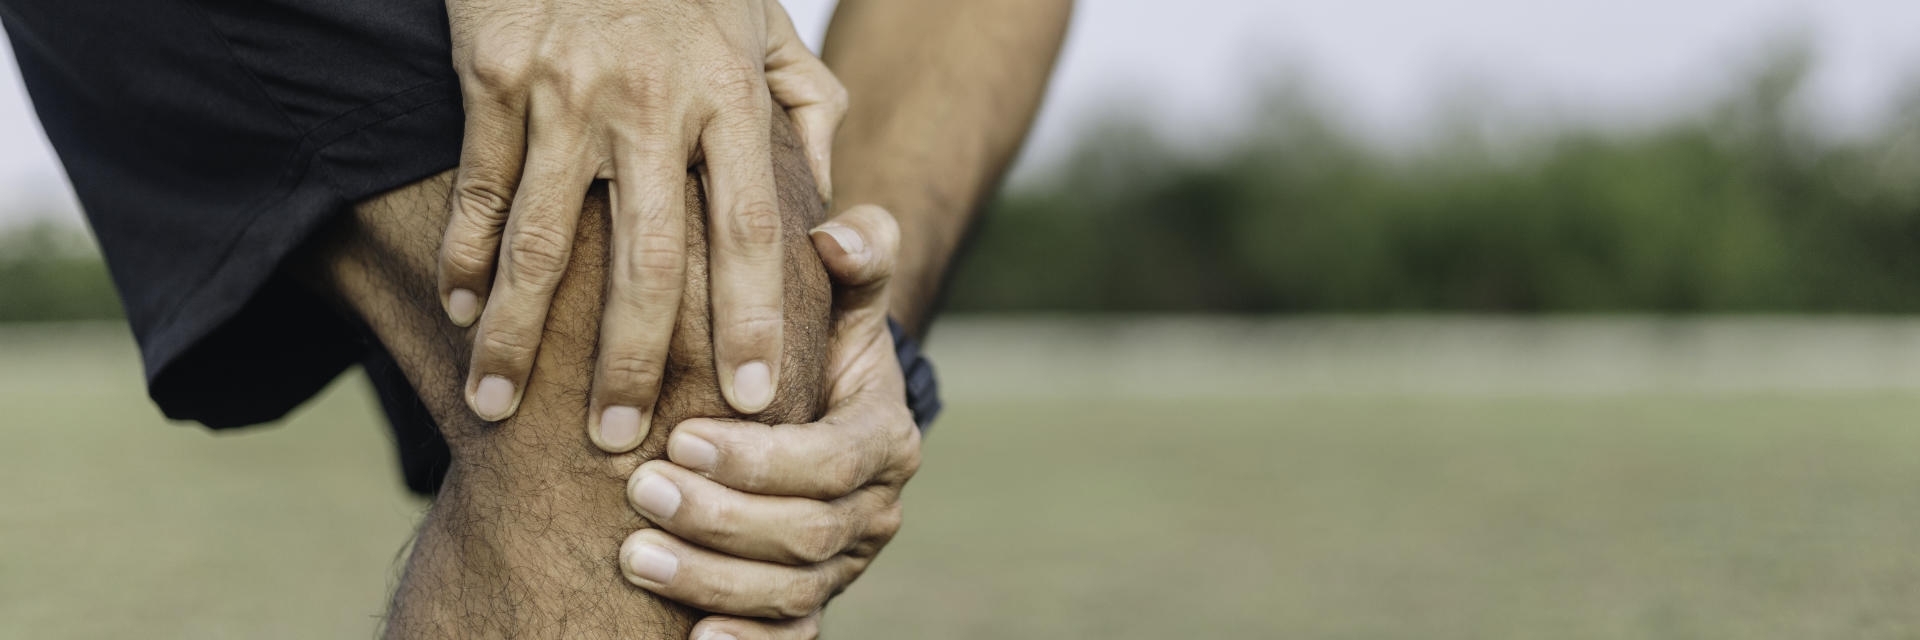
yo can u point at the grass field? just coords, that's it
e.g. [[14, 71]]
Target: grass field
[[1426, 479]]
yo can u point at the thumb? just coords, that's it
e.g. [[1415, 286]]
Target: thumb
[[859, 248], [803, 85]]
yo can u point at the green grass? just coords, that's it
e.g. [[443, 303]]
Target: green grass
[[1640, 515]]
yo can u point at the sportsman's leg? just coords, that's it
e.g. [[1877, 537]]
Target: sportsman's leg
[[524, 536]]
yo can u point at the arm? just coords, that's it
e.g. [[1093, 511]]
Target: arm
[[560, 93], [939, 111], [942, 94]]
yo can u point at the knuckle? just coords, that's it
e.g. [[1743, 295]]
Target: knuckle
[[910, 461], [886, 229], [538, 255], [466, 257], [756, 225], [843, 474], [656, 263], [711, 598], [719, 522], [908, 446], [499, 73], [817, 540], [645, 82], [837, 97], [570, 76], [739, 82], [755, 323], [632, 372], [876, 224], [881, 529], [889, 519], [483, 198], [508, 346], [796, 604]]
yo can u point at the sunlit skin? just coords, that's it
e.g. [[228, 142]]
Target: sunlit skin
[[525, 536], [559, 93], [769, 522]]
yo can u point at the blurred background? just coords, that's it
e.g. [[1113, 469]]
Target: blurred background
[[1381, 319]]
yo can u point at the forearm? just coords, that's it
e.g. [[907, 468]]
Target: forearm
[[942, 95]]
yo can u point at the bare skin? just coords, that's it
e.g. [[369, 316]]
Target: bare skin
[[523, 539], [559, 93], [930, 145]]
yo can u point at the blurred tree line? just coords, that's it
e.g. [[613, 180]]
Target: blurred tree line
[[1738, 205], [50, 271]]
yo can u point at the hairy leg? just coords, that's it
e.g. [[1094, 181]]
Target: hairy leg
[[524, 536]]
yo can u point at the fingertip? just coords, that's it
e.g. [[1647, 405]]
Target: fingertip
[[752, 388], [646, 561], [844, 238], [463, 307], [692, 451], [620, 429], [654, 495], [494, 398]]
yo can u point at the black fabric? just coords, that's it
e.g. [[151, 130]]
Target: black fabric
[[208, 140], [424, 454]]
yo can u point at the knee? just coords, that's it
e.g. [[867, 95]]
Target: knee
[[553, 413], [380, 262]]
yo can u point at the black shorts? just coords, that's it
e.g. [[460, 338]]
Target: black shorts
[[208, 140]]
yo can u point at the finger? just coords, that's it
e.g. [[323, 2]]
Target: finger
[[792, 531], [723, 627], [745, 241], [649, 265], [813, 97], [869, 438], [859, 248], [536, 246], [711, 581], [491, 149]]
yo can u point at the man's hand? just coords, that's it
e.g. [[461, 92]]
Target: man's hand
[[766, 522], [559, 93]]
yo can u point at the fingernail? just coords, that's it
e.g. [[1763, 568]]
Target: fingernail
[[493, 398], [753, 386], [620, 428], [716, 635], [692, 452], [463, 307], [848, 239], [657, 496], [653, 564]]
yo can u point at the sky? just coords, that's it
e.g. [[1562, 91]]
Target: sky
[[1386, 63]]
